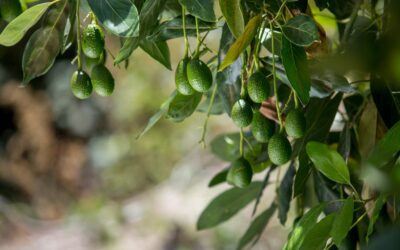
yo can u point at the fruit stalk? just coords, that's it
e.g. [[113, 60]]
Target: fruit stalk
[[184, 32], [78, 36], [274, 77], [241, 147], [198, 38], [203, 136]]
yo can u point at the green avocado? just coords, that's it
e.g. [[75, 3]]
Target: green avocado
[[102, 80], [240, 173], [262, 128], [258, 87], [199, 75], [93, 41], [242, 113], [81, 84], [295, 124], [279, 149], [181, 80]]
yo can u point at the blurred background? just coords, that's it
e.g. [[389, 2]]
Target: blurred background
[[73, 175]]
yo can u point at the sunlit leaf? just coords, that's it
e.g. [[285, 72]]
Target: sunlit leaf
[[241, 43], [17, 28], [120, 17], [329, 162], [233, 15], [305, 224]]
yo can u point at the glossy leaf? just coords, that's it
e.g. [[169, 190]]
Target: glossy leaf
[[256, 228], [241, 43], [379, 203], [173, 28], [386, 148], [183, 106], [329, 162], [17, 28], [228, 80], [301, 30], [159, 51], [203, 9], [120, 17], [318, 236], [343, 221], [305, 224], [219, 178], [294, 60], [148, 19], [226, 205], [285, 192], [157, 116], [233, 15]]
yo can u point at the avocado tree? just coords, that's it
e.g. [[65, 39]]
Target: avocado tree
[[321, 109]]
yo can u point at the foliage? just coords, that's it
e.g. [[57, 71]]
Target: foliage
[[344, 86]]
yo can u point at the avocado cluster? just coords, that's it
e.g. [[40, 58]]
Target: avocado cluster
[[192, 75], [263, 130], [100, 79]]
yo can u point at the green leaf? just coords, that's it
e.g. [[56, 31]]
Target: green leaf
[[305, 224], [229, 80], [158, 50], [301, 30], [44, 45], [329, 162], [18, 27], [343, 221], [375, 213], [157, 116], [183, 106], [233, 16], [203, 9], [256, 228], [285, 193], [173, 28], [219, 178], [148, 19], [226, 146], [40, 53], [386, 148], [120, 17], [319, 114], [318, 236], [226, 205], [241, 43], [294, 60]]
